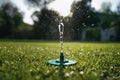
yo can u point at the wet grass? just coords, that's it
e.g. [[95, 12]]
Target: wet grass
[[24, 60]]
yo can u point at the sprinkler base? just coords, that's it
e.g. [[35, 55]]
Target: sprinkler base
[[66, 62]]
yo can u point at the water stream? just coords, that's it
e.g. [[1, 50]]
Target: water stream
[[61, 30]]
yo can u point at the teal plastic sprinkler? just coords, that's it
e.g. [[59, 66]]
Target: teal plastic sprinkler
[[61, 61]]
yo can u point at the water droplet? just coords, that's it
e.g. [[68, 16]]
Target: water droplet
[[67, 74], [56, 71], [81, 72], [84, 24], [88, 16], [8, 51], [78, 7], [118, 53], [80, 53], [71, 72], [95, 74], [37, 77], [93, 24], [48, 71], [38, 48]]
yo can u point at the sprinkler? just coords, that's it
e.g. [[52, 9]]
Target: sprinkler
[[61, 60]]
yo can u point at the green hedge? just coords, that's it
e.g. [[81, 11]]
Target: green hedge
[[93, 34]]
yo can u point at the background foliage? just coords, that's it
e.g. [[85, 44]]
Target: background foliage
[[46, 21]]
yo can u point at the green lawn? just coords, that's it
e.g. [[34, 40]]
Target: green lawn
[[28, 61]]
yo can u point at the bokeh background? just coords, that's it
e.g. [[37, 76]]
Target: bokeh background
[[84, 20]]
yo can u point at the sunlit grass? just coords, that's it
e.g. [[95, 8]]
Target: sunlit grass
[[28, 61]]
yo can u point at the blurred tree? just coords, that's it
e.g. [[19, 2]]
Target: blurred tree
[[92, 34], [44, 20], [118, 9], [45, 24], [82, 17], [106, 7], [107, 16], [24, 31], [117, 22], [38, 3], [110, 19], [2, 2], [10, 18], [68, 32]]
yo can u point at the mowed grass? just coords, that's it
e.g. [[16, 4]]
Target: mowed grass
[[28, 61]]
